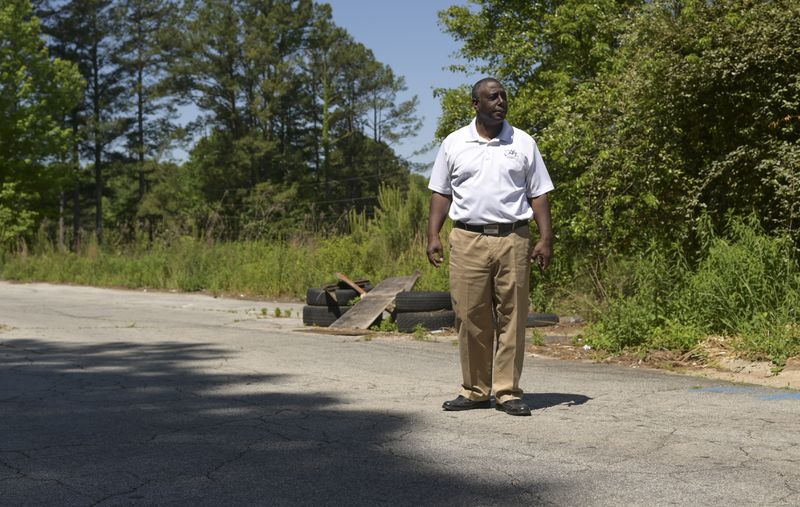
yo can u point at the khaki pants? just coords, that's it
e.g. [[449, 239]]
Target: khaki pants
[[490, 274]]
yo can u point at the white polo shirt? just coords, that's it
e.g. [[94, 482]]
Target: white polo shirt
[[490, 181]]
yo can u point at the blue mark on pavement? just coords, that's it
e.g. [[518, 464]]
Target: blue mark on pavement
[[784, 396], [724, 389], [748, 390]]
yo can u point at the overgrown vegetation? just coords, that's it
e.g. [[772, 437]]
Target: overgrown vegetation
[[745, 286], [379, 248]]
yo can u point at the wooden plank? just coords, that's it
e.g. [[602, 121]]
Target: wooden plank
[[373, 303], [336, 332], [351, 283]]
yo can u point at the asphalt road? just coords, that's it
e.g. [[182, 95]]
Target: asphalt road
[[112, 397]]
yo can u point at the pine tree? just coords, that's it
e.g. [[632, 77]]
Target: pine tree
[[86, 32]]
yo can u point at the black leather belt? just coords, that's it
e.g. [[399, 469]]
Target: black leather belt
[[492, 229]]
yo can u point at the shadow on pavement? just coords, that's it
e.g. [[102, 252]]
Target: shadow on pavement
[[546, 400], [123, 423]]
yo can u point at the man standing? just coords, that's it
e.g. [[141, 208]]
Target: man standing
[[492, 180]]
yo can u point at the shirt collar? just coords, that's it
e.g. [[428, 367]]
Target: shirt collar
[[505, 136]]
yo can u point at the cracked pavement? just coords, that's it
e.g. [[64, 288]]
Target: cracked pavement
[[111, 397]]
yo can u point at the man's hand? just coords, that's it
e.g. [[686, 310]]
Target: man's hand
[[435, 252], [542, 254], [543, 251]]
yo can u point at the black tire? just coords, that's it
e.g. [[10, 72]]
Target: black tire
[[322, 316], [320, 297], [408, 321], [541, 319], [422, 302]]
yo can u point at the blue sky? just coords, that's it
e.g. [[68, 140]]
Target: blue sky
[[405, 35]]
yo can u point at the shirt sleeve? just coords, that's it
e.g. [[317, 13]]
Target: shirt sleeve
[[440, 174], [539, 181]]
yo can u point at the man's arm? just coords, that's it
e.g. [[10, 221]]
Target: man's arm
[[440, 205], [543, 251]]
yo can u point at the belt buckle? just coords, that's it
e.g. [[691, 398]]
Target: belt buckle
[[491, 229]]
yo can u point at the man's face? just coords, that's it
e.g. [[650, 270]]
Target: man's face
[[492, 103]]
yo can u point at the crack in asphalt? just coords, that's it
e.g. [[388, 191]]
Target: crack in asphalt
[[227, 462], [122, 493], [27, 476], [14, 469]]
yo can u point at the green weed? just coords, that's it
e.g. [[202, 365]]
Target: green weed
[[385, 326], [421, 333]]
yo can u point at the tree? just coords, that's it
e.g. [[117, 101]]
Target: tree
[[650, 114], [697, 116], [35, 94], [389, 121], [238, 65], [144, 55], [540, 50], [286, 97], [352, 93], [86, 33]]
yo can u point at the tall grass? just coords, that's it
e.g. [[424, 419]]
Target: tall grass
[[745, 286], [390, 244]]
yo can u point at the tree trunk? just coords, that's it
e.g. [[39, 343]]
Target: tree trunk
[[62, 198]]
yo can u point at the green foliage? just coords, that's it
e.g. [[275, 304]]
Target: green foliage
[[421, 333], [386, 326], [650, 114], [268, 212], [295, 126], [457, 109], [540, 50], [16, 218], [694, 117], [36, 91], [745, 286]]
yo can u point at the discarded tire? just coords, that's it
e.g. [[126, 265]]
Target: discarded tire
[[341, 296], [541, 319], [322, 316], [408, 321], [422, 301]]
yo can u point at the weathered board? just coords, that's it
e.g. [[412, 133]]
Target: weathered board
[[351, 283], [373, 303], [336, 332]]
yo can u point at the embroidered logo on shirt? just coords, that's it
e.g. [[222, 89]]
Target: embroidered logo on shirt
[[510, 153]]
